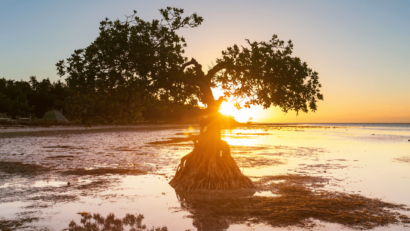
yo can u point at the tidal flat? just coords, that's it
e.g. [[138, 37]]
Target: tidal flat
[[308, 177]]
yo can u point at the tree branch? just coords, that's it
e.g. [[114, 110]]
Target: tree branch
[[199, 79], [215, 69], [224, 65], [198, 67], [192, 62]]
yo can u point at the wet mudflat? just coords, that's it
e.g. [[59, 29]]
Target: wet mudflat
[[307, 177]]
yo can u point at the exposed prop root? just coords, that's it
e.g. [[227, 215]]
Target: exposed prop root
[[209, 166]]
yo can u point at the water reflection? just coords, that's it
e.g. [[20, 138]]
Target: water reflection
[[299, 201], [96, 222], [34, 176], [205, 219]]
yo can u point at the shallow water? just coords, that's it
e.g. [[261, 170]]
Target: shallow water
[[369, 161]]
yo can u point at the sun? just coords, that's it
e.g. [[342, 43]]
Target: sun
[[239, 115]]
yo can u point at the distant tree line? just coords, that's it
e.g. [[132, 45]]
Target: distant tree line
[[34, 98], [136, 70]]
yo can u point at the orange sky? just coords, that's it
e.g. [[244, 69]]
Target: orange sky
[[339, 106], [359, 48]]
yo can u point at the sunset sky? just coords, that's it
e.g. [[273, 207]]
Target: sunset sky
[[361, 49]]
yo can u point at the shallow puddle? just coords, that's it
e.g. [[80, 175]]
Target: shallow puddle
[[49, 180]]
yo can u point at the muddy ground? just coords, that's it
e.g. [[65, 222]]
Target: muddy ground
[[86, 179]]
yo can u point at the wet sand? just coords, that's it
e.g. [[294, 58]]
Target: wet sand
[[308, 177]]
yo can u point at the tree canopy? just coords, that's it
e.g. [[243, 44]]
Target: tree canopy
[[13, 98], [46, 95], [32, 98], [135, 60], [266, 74], [129, 62]]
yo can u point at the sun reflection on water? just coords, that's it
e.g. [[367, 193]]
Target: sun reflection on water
[[369, 162]]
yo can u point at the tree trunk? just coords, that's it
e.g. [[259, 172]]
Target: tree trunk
[[210, 165]]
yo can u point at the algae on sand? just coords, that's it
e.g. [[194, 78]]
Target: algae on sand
[[97, 222], [299, 201]]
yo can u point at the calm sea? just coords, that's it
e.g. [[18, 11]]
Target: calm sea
[[371, 125], [375, 126]]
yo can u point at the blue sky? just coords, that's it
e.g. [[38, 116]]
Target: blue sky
[[360, 48]]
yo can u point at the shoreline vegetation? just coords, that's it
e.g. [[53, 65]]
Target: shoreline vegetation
[[226, 122], [32, 99], [135, 70]]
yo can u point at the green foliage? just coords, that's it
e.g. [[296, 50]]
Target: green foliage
[[159, 110], [128, 62], [266, 74], [134, 64], [13, 98], [20, 98], [46, 95]]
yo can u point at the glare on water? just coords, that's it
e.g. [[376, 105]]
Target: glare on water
[[357, 160]]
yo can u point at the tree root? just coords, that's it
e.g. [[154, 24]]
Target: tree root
[[209, 166]]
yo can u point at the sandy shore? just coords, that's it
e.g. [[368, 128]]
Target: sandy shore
[[23, 129]]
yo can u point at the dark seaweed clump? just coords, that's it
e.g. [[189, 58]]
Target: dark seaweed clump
[[22, 169], [296, 201], [96, 222]]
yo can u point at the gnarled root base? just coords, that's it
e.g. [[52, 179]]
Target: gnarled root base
[[209, 166]]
